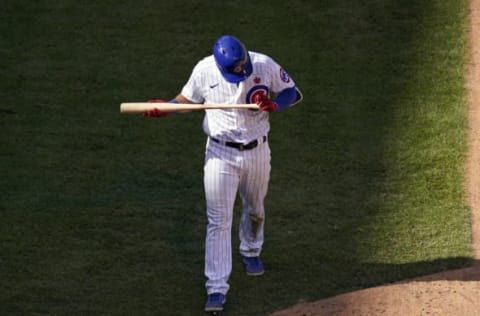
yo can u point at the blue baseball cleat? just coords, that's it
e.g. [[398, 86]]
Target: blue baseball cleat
[[215, 302], [253, 265]]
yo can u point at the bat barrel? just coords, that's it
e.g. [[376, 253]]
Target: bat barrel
[[141, 107]]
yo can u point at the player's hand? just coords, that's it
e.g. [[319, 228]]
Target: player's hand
[[156, 112], [266, 104]]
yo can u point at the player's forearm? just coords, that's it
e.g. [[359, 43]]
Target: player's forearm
[[181, 99]]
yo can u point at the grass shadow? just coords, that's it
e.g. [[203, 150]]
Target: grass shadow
[[104, 214]]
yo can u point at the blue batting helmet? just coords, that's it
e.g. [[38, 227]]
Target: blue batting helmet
[[232, 58]]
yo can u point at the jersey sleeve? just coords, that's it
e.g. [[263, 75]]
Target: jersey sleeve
[[192, 90], [280, 79]]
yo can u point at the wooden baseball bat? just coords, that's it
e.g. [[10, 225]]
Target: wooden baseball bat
[[141, 107]]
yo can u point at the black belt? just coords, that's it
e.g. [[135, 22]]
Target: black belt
[[240, 146]]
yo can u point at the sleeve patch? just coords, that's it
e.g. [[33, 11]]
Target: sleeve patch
[[284, 76]]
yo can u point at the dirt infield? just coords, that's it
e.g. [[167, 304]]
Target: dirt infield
[[450, 293]]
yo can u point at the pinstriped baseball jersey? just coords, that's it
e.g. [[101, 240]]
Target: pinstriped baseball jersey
[[229, 171], [206, 85]]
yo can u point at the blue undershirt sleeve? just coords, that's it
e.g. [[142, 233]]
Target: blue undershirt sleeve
[[285, 98]]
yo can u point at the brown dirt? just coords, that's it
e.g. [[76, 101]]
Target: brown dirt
[[448, 293]]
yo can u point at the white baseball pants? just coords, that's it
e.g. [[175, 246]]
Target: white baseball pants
[[228, 171]]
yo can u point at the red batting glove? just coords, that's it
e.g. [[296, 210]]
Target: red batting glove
[[266, 104], [156, 112]]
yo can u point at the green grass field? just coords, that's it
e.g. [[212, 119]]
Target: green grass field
[[103, 214]]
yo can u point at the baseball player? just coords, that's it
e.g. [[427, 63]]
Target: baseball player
[[237, 155]]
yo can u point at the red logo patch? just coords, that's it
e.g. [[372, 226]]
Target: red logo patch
[[256, 95], [257, 80], [255, 92]]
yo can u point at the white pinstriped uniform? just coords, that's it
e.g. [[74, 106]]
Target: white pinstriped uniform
[[227, 170]]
